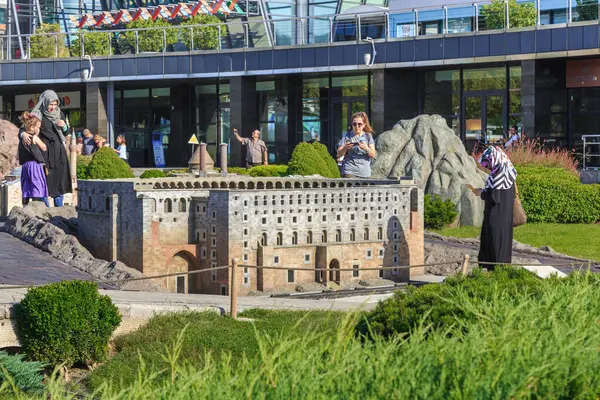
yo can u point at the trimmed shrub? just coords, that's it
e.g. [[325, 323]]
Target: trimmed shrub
[[27, 376], [106, 164], [332, 167], [66, 322], [438, 212], [441, 306], [175, 172], [308, 159], [238, 170], [152, 173], [555, 195], [268, 170], [83, 163]]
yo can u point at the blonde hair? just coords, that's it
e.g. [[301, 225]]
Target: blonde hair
[[30, 121], [363, 115]]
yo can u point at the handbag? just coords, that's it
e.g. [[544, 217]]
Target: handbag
[[519, 216]]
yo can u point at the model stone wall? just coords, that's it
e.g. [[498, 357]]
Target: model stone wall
[[170, 226]]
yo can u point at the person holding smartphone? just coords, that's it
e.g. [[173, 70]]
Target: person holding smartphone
[[357, 148], [498, 194]]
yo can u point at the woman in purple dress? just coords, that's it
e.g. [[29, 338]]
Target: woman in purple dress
[[32, 160]]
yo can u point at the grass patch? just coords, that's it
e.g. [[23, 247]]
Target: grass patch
[[575, 240], [493, 343], [206, 333]]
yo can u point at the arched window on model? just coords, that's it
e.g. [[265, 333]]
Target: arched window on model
[[338, 235], [380, 233], [352, 235], [295, 238], [263, 239], [90, 205], [366, 234], [324, 237], [309, 237], [168, 206], [182, 205], [279, 239]]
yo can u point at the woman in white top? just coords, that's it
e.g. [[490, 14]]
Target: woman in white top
[[121, 148]]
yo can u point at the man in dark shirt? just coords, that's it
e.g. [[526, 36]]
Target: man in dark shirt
[[89, 147]]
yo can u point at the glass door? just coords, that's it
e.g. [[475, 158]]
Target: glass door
[[342, 112], [484, 119]]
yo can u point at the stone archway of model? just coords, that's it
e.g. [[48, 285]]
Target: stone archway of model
[[428, 150]]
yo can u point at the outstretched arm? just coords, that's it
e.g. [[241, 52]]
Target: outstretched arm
[[237, 136]]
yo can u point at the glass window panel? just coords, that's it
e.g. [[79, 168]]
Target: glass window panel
[[484, 79], [442, 81], [445, 104], [515, 102], [585, 99], [515, 77], [494, 118], [351, 85]]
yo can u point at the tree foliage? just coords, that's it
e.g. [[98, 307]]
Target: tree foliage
[[204, 37], [587, 10], [44, 45], [521, 15], [94, 43], [151, 40]]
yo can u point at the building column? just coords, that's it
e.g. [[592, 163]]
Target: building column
[[395, 96], [95, 108], [110, 112], [294, 108], [244, 114], [528, 97], [179, 152]]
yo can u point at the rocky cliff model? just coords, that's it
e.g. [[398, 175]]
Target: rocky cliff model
[[52, 230], [426, 149], [9, 143]]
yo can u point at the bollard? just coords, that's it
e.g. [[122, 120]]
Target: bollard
[[233, 291], [465, 266], [73, 166], [202, 163], [223, 158]]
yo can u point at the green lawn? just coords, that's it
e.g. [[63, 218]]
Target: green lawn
[[576, 240], [206, 333]]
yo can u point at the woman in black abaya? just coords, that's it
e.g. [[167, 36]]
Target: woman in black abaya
[[498, 194]]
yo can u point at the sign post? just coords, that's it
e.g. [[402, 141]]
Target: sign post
[[193, 141]]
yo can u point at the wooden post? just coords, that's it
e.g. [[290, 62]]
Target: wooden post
[[233, 291], [465, 267]]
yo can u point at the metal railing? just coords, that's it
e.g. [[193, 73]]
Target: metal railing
[[313, 30], [233, 269]]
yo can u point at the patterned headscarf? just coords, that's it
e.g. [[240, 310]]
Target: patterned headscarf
[[502, 172]]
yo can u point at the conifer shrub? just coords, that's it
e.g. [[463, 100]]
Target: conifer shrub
[[310, 159], [268, 170], [152, 173], [442, 306], [438, 212], [106, 164], [66, 323], [26, 376], [83, 163]]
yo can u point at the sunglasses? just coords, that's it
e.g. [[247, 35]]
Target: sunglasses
[[357, 124]]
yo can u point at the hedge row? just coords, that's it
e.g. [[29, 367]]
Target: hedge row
[[554, 195]]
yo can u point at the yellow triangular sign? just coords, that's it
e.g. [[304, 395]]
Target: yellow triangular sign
[[193, 140]]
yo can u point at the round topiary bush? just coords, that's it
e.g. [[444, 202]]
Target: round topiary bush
[[152, 173], [106, 164], [311, 159], [66, 322]]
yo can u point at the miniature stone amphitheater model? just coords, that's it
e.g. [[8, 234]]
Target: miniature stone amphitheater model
[[171, 225]]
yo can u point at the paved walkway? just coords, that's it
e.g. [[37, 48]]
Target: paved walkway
[[23, 264], [155, 302]]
